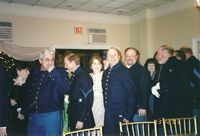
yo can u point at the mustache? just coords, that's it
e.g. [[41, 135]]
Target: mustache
[[129, 59]]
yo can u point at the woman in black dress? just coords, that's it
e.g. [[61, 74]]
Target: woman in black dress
[[17, 97], [151, 65]]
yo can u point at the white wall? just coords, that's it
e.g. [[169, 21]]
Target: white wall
[[173, 24], [175, 29]]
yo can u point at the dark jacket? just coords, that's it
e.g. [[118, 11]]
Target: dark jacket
[[143, 85], [81, 96], [119, 93], [45, 91], [5, 83], [173, 87], [193, 68]]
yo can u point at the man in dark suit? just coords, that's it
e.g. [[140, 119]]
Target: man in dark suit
[[5, 82], [46, 87], [119, 93], [193, 69], [80, 95], [172, 84], [142, 77]]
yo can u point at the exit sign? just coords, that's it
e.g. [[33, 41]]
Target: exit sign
[[78, 30]]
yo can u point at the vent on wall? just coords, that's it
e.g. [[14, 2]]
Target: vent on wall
[[5, 31], [96, 36]]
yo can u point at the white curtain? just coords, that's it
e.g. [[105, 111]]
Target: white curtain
[[20, 52]]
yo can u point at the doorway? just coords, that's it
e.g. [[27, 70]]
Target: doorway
[[84, 54]]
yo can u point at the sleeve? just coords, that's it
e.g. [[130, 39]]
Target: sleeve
[[5, 82], [87, 97], [25, 106], [177, 81], [60, 79], [145, 89], [11, 92], [131, 91], [195, 83], [4, 109]]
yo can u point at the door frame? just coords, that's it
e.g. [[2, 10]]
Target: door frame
[[84, 47]]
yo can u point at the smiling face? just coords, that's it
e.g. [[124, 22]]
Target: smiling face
[[47, 61], [96, 66], [23, 73], [151, 67], [160, 55], [113, 57], [131, 57]]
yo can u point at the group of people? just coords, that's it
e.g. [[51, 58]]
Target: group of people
[[110, 94]]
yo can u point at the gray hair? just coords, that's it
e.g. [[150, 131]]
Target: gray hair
[[168, 49], [42, 53]]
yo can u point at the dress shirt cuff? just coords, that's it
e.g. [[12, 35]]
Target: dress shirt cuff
[[2, 127]]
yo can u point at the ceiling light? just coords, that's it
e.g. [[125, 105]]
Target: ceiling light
[[198, 4]]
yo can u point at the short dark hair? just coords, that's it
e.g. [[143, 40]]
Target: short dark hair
[[137, 52], [20, 66], [186, 49], [180, 54], [149, 61]]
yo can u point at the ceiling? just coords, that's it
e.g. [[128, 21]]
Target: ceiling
[[117, 7]]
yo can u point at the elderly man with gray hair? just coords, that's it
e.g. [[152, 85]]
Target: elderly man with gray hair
[[46, 87], [172, 86]]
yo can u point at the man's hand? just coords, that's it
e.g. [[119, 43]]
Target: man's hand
[[141, 112], [13, 102], [20, 116], [79, 125], [125, 120], [3, 131]]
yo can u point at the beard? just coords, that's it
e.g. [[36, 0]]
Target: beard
[[130, 62]]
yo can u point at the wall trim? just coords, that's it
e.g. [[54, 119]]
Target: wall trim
[[195, 46], [83, 47]]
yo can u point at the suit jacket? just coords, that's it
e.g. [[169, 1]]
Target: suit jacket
[[173, 86], [193, 68], [45, 91], [143, 85], [81, 96], [5, 83], [119, 93]]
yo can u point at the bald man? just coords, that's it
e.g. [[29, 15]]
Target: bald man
[[119, 93], [171, 87]]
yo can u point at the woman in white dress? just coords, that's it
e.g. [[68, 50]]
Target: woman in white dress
[[96, 64]]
